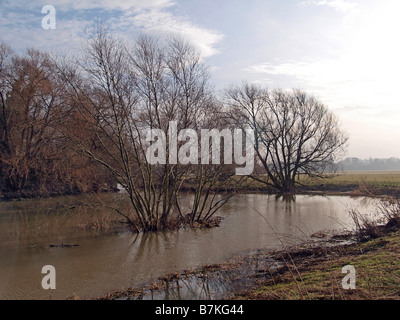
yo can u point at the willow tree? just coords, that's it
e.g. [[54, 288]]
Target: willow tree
[[294, 133]]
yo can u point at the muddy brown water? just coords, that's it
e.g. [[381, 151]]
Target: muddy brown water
[[33, 233]]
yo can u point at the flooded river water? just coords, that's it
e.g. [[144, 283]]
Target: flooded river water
[[32, 231]]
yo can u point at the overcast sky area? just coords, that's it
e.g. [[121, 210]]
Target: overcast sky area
[[345, 52]]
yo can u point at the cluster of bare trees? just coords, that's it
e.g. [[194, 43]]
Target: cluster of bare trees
[[69, 122], [34, 156]]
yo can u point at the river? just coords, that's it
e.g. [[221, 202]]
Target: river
[[104, 261]]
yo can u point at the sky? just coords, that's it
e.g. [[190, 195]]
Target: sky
[[344, 52]]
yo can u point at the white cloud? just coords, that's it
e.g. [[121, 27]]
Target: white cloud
[[126, 17], [340, 5], [165, 22]]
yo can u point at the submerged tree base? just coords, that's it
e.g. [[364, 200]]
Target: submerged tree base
[[180, 223]]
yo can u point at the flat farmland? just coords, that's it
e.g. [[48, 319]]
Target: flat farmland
[[350, 182], [375, 178], [357, 182]]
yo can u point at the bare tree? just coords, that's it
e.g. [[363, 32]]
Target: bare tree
[[102, 91], [121, 92], [294, 133]]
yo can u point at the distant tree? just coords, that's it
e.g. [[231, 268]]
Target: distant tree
[[294, 133], [356, 164]]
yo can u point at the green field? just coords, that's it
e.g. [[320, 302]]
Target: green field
[[362, 179], [353, 182], [374, 177]]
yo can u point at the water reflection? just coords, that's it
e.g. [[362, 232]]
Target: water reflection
[[211, 283], [288, 200]]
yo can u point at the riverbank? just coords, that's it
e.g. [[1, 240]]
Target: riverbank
[[317, 274], [357, 183]]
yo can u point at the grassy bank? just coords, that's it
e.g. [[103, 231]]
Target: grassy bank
[[357, 183], [317, 273]]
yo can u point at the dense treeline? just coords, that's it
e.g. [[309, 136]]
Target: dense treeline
[[36, 159], [356, 164]]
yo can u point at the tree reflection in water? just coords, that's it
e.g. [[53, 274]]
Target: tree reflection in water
[[211, 282]]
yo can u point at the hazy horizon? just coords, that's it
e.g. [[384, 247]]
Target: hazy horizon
[[341, 51]]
